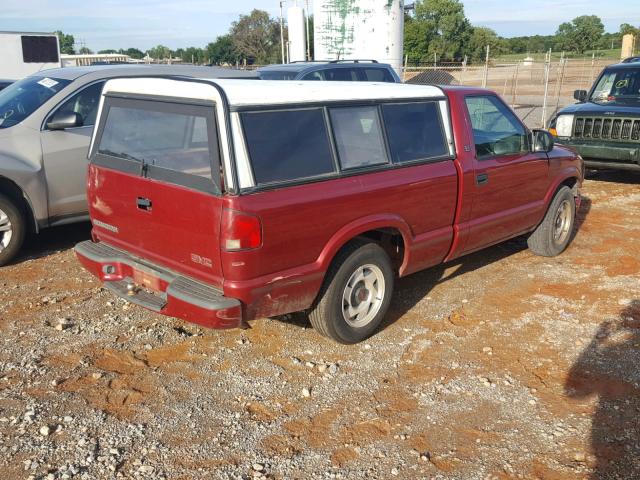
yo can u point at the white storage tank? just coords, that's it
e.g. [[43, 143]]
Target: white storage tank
[[297, 34], [359, 29]]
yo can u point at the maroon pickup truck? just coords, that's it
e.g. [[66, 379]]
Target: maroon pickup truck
[[224, 201]]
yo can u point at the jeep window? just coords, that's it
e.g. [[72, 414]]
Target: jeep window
[[621, 86], [496, 131], [84, 103], [174, 142], [287, 144], [21, 99], [341, 74], [358, 136], [277, 75], [414, 131], [378, 75]]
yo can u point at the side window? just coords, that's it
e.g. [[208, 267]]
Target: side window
[[317, 75], [496, 130], [85, 103], [341, 75], [358, 136], [378, 75], [287, 144], [414, 131]]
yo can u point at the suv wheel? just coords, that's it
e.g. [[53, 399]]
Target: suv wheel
[[554, 233], [356, 294], [12, 230]]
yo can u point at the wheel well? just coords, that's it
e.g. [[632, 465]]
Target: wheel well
[[390, 239], [572, 183], [13, 192]]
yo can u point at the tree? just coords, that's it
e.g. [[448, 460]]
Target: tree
[[133, 53], [256, 37], [416, 40], [108, 51], [221, 52], [66, 42], [447, 29], [85, 51], [480, 38], [160, 52], [582, 33]]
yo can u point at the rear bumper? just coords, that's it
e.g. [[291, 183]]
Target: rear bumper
[[158, 289]]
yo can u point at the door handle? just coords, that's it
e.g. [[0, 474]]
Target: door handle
[[143, 204], [482, 179]]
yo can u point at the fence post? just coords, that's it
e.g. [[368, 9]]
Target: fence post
[[486, 69], [547, 65], [514, 86], [563, 63], [404, 68]]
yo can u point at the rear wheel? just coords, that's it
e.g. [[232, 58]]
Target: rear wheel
[[12, 230], [356, 294], [554, 233]]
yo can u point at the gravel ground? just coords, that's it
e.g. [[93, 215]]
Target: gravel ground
[[499, 365]]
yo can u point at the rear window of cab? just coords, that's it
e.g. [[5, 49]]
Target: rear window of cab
[[291, 145]]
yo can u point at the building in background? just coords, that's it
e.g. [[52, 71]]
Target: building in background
[[359, 29], [297, 34], [25, 53]]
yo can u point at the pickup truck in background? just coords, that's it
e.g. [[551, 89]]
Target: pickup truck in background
[[604, 127], [224, 201]]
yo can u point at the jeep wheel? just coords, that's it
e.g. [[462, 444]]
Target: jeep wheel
[[554, 233], [12, 230], [356, 294]]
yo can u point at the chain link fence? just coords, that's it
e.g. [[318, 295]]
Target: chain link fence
[[535, 89]]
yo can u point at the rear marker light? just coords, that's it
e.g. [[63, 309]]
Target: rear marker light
[[240, 231]]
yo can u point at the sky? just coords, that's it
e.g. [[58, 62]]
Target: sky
[[103, 24]]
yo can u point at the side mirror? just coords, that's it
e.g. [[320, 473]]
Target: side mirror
[[541, 141], [580, 95], [62, 120]]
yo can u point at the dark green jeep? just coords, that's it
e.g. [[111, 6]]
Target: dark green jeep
[[604, 127]]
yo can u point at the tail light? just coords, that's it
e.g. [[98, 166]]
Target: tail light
[[240, 231]]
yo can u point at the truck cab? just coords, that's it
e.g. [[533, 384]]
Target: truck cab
[[224, 201], [604, 127]]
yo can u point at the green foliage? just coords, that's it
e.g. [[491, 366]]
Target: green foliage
[[107, 51], [221, 52], [626, 28], [445, 26], [582, 33], [480, 38], [66, 42], [85, 51], [256, 37], [160, 52], [133, 53]]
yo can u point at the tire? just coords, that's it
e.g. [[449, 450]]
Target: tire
[[356, 294], [553, 235], [12, 230]]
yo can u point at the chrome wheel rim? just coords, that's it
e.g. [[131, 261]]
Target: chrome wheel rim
[[6, 231], [562, 223], [363, 295]]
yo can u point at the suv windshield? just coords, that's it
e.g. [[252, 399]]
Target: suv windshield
[[21, 99], [618, 87]]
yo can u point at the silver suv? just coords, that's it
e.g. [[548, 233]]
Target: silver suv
[[46, 121]]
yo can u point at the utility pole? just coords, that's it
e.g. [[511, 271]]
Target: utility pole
[[282, 32], [306, 16]]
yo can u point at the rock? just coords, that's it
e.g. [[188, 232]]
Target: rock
[[306, 392], [45, 431], [333, 369], [96, 375], [394, 471], [258, 467], [322, 368]]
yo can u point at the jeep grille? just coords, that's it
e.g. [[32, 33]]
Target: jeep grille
[[599, 128]]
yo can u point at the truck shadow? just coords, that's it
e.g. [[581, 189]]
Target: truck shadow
[[614, 176], [411, 290], [608, 369], [52, 240]]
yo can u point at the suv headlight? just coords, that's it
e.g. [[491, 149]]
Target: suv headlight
[[564, 124]]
